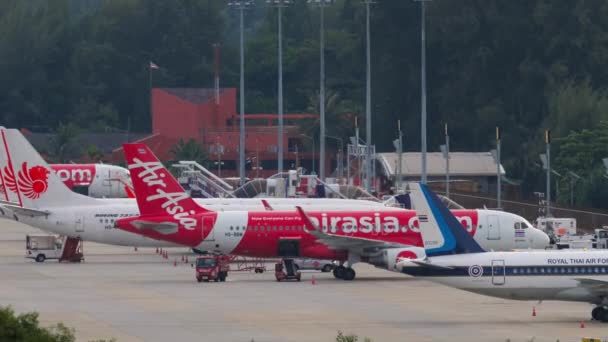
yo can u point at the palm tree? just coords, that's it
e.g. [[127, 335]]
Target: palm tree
[[189, 150], [62, 144], [339, 116]]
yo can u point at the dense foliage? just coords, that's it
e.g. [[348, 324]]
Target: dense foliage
[[525, 65], [24, 327]]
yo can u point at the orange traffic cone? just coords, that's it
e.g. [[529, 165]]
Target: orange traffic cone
[[175, 262], [182, 258], [156, 250], [582, 324], [313, 281], [534, 311]]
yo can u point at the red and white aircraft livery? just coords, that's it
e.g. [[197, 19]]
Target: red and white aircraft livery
[[95, 180], [380, 237], [40, 199]]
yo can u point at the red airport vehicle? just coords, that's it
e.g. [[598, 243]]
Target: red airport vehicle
[[211, 267], [286, 270]]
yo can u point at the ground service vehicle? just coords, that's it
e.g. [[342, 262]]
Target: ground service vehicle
[[211, 267], [315, 264], [286, 270], [43, 246]]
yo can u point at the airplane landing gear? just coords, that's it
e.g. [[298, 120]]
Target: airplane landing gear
[[600, 313], [339, 272], [345, 273], [349, 274]]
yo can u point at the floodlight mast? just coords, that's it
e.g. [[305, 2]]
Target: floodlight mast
[[241, 6], [280, 4], [322, 134]]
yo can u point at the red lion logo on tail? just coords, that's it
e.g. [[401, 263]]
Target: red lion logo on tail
[[32, 183]]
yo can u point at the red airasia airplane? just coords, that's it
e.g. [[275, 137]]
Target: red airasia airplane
[[380, 237]]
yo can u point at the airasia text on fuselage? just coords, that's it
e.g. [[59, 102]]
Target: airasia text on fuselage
[[340, 223], [171, 200]]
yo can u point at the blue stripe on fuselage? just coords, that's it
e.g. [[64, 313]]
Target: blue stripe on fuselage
[[511, 271]]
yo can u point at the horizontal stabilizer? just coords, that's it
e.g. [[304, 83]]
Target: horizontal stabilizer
[[165, 228], [25, 211]]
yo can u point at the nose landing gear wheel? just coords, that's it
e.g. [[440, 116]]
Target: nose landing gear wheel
[[339, 272], [349, 274]]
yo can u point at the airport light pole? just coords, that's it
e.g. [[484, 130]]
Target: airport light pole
[[398, 143], [368, 102], [280, 4], [423, 89], [321, 4], [573, 178], [446, 155], [498, 175], [313, 150], [241, 6], [548, 153], [340, 162]]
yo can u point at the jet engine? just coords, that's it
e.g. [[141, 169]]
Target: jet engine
[[389, 257]]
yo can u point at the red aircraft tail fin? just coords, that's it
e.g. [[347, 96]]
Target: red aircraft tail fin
[[156, 190]]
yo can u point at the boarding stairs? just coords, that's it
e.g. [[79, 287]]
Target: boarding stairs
[[72, 250], [194, 176]]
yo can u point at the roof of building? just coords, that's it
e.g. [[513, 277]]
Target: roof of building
[[461, 164], [105, 142], [193, 95]]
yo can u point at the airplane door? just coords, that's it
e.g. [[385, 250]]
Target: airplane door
[[493, 228], [498, 272], [208, 231], [79, 224]]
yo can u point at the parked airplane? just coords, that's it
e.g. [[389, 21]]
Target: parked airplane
[[372, 235], [455, 259], [39, 198], [95, 180]]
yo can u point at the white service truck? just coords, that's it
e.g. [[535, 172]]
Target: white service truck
[[557, 226]]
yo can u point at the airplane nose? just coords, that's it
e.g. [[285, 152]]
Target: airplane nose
[[541, 240]]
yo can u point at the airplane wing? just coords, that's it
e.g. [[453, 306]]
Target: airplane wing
[[362, 246], [24, 211], [596, 286], [161, 227]]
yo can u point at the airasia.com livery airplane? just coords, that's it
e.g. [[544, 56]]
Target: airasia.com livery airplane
[[377, 236], [95, 180]]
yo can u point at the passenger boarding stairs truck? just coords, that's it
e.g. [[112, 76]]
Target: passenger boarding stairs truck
[[43, 246]]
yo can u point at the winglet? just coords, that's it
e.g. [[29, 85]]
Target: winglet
[[308, 224], [441, 232], [267, 205]]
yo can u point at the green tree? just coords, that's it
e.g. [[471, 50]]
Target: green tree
[[63, 144], [25, 327], [189, 150]]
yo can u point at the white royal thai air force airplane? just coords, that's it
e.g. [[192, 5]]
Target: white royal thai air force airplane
[[456, 260], [41, 200]]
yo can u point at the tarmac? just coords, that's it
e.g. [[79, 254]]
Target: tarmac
[[138, 296]]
